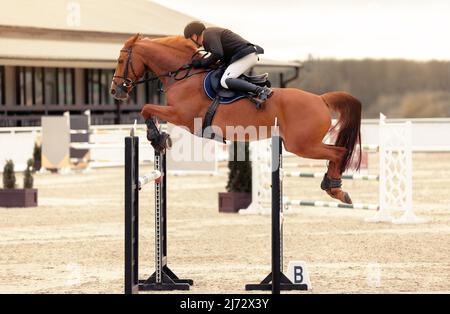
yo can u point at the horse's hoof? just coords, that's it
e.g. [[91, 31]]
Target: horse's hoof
[[161, 142], [338, 194], [347, 198]]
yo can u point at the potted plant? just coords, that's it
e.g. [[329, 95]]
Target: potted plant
[[239, 186], [10, 195]]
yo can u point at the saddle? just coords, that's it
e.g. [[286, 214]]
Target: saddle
[[214, 89], [220, 95]]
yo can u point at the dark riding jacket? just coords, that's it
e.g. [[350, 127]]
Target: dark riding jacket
[[226, 46]]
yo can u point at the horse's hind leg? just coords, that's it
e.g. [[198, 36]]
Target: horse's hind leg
[[331, 182]]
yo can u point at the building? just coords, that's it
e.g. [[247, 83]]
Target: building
[[60, 55]]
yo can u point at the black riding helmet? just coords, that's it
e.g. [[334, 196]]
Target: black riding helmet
[[192, 28]]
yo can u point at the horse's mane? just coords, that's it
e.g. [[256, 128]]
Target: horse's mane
[[179, 49], [178, 43]]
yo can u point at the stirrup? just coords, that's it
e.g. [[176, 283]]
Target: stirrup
[[256, 101], [265, 93]]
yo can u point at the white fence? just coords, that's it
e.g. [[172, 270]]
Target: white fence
[[428, 135], [17, 144]]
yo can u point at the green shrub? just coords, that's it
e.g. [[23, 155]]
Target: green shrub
[[37, 157], [240, 176], [28, 177], [9, 177]]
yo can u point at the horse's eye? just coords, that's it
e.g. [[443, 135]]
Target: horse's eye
[[120, 61]]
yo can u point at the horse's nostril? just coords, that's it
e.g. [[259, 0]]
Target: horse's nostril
[[113, 91]]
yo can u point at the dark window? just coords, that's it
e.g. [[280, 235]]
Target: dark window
[[45, 86], [23, 80], [2, 85], [65, 82], [98, 82], [50, 86], [105, 77], [152, 90], [38, 85]]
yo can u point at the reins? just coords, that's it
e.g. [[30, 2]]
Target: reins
[[127, 82]]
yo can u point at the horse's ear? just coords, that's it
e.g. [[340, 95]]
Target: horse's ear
[[132, 40], [137, 37]]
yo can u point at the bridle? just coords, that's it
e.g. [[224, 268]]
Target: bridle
[[129, 83]]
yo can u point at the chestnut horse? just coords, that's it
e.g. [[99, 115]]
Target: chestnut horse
[[303, 118]]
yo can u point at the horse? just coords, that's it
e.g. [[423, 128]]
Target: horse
[[303, 118]]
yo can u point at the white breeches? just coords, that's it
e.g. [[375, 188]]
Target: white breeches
[[238, 67]]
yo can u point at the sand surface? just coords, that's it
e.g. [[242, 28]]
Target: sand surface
[[73, 242]]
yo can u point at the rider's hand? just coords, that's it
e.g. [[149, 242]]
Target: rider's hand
[[197, 63]]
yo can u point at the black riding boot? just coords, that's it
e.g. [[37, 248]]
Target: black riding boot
[[261, 93], [242, 85]]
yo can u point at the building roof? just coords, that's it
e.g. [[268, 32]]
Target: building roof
[[116, 16], [85, 53], [82, 33]]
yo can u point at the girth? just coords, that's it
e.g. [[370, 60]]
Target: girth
[[207, 131]]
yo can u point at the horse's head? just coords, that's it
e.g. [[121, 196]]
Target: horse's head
[[161, 55], [130, 67]]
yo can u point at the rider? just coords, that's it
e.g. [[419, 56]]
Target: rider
[[224, 45]]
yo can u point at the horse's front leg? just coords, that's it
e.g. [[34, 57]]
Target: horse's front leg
[[166, 113], [159, 141]]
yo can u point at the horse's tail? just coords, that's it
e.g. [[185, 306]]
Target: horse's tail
[[348, 125]]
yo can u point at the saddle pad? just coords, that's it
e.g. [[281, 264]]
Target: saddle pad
[[207, 86]]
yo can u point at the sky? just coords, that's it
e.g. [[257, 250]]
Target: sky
[[293, 30]]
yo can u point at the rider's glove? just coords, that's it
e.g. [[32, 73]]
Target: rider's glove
[[197, 63]]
